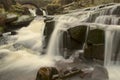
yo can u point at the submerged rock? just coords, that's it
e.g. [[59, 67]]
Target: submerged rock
[[99, 73]]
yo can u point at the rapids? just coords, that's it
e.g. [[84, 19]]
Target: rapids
[[20, 56]]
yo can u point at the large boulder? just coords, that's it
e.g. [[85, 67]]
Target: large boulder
[[78, 35], [23, 20], [95, 45], [46, 73], [49, 27], [11, 17], [99, 73]]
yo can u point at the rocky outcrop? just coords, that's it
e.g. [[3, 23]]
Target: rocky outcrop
[[49, 27], [18, 16]]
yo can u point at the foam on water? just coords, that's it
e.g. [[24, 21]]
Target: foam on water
[[23, 63]]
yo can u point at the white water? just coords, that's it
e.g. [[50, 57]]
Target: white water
[[44, 12], [63, 23], [23, 63], [33, 12]]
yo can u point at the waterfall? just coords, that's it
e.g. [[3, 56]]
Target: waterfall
[[33, 12], [109, 19], [20, 56], [63, 23], [44, 12], [109, 35]]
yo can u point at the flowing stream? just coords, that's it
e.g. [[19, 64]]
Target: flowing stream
[[20, 55]]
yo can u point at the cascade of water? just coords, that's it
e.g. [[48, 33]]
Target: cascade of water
[[23, 63], [63, 23], [44, 12], [33, 12], [110, 20], [108, 47], [116, 48]]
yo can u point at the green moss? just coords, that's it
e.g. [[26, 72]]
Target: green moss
[[1, 28]]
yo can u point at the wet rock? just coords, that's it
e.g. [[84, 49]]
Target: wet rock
[[95, 45], [23, 20], [96, 36], [11, 17], [77, 35], [49, 27], [0, 34], [13, 33], [46, 73], [39, 11], [99, 73]]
